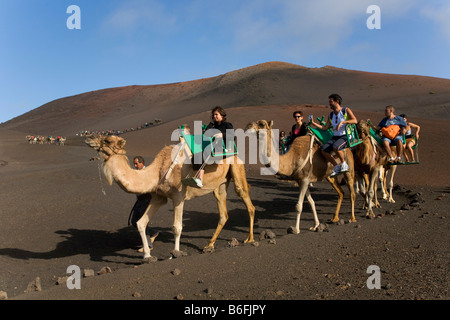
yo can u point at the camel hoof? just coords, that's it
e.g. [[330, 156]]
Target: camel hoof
[[321, 227], [370, 215], [293, 230], [249, 240], [208, 249], [149, 260], [178, 254]]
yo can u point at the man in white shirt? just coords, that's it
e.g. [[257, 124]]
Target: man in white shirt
[[337, 120]]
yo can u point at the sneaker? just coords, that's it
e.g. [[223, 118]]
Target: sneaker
[[399, 160], [344, 167], [198, 182], [391, 160], [337, 170]]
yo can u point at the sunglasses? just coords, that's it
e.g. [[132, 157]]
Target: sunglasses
[[298, 116]]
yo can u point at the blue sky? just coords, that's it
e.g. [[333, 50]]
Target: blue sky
[[146, 42]]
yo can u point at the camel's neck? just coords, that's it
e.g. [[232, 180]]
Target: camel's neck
[[270, 157], [134, 181]]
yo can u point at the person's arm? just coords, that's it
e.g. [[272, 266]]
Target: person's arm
[[402, 123], [351, 119], [322, 127], [303, 129], [380, 125], [417, 127], [228, 131]]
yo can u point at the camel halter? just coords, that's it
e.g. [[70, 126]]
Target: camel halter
[[308, 156], [103, 146]]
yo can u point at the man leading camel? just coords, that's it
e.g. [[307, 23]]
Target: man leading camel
[[337, 120], [141, 205]]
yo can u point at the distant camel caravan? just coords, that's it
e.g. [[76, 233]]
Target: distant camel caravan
[[304, 164], [163, 179], [45, 140]]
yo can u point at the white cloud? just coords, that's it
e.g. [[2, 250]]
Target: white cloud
[[440, 15], [305, 26], [149, 15]]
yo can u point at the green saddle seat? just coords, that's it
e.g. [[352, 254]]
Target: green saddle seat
[[325, 135], [198, 143]]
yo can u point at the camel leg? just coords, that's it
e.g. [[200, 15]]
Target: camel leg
[[304, 190], [364, 183], [358, 184], [313, 207], [304, 184], [241, 188], [338, 189], [378, 173], [221, 195], [178, 205], [361, 188], [142, 223], [382, 177], [391, 183], [375, 192], [350, 178], [371, 193]]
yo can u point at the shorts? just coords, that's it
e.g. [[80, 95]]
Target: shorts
[[335, 143], [393, 141]]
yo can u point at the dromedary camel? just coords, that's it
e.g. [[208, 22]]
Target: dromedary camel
[[369, 161], [386, 173], [162, 178], [303, 163]]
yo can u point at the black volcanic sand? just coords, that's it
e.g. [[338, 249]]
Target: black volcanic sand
[[54, 214]]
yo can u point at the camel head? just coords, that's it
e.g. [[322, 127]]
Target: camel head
[[106, 145], [363, 129], [258, 125], [263, 131]]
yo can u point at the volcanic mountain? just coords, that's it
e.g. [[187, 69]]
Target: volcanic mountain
[[272, 83]]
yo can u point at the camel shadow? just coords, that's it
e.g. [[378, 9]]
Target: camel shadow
[[97, 244]]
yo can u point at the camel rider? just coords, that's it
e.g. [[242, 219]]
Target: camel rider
[[337, 119], [141, 205], [218, 117], [393, 121]]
